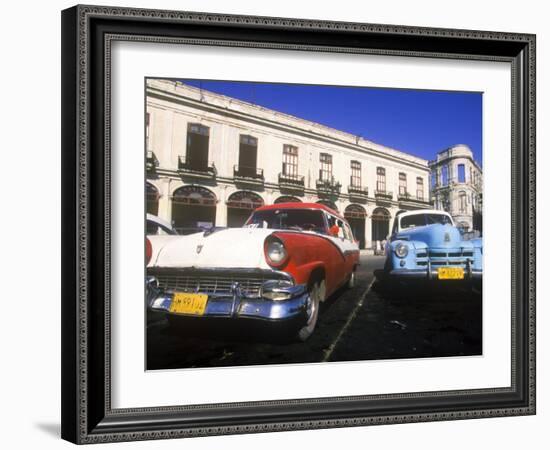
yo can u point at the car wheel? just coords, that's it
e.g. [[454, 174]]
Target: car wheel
[[316, 294]]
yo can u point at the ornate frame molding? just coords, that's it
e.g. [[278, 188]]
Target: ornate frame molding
[[88, 421]]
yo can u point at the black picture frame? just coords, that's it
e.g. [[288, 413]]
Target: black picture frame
[[87, 33]]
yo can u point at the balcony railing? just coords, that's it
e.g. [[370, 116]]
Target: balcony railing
[[248, 175], [151, 161], [358, 192], [409, 198], [383, 195], [198, 171], [291, 182], [328, 188]]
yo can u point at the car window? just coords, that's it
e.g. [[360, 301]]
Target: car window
[[394, 228], [341, 231], [288, 219], [438, 218], [417, 220], [348, 233], [154, 228]]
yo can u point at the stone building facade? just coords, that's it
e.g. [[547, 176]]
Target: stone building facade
[[212, 159], [457, 186]]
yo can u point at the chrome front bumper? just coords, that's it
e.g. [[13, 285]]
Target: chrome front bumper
[[238, 306], [431, 274]]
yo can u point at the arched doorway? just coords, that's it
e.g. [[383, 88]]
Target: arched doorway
[[193, 207], [328, 203], [380, 224], [287, 199], [152, 199], [240, 205], [356, 216]]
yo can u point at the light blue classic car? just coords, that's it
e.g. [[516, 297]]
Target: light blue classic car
[[425, 244]]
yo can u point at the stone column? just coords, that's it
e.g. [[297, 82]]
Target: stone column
[[368, 230], [221, 208], [165, 202]]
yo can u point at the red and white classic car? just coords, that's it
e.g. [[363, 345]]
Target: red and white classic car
[[277, 268]]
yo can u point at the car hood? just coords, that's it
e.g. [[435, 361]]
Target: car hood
[[226, 248], [435, 236]]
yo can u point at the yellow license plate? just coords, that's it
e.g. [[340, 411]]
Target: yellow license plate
[[450, 273], [192, 304]]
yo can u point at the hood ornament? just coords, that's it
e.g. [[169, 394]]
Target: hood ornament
[[199, 248], [447, 237]]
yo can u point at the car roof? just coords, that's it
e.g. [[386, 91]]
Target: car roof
[[301, 205], [423, 211]]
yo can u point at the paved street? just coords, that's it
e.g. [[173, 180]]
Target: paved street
[[374, 320]]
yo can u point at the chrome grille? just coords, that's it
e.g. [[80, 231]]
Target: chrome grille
[[210, 282], [455, 257]]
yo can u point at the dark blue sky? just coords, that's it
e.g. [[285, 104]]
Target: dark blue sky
[[417, 122]]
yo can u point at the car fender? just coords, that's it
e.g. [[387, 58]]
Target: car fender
[[302, 273], [393, 261], [311, 250]]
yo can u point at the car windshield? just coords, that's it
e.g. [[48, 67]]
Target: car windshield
[[419, 220], [157, 228], [288, 219]]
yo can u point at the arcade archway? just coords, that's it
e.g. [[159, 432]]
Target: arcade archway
[[380, 224], [193, 207], [356, 217], [287, 199], [152, 199], [240, 205]]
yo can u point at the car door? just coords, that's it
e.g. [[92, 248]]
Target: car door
[[347, 249], [351, 249]]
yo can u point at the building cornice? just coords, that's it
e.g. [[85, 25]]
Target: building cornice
[[442, 162], [171, 97]]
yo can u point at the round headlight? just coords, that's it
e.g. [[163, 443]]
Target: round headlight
[[401, 250], [275, 253]]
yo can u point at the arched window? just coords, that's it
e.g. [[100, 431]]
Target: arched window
[[462, 202], [245, 200], [240, 205], [152, 199], [193, 208], [287, 199], [354, 211], [380, 224], [356, 217]]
